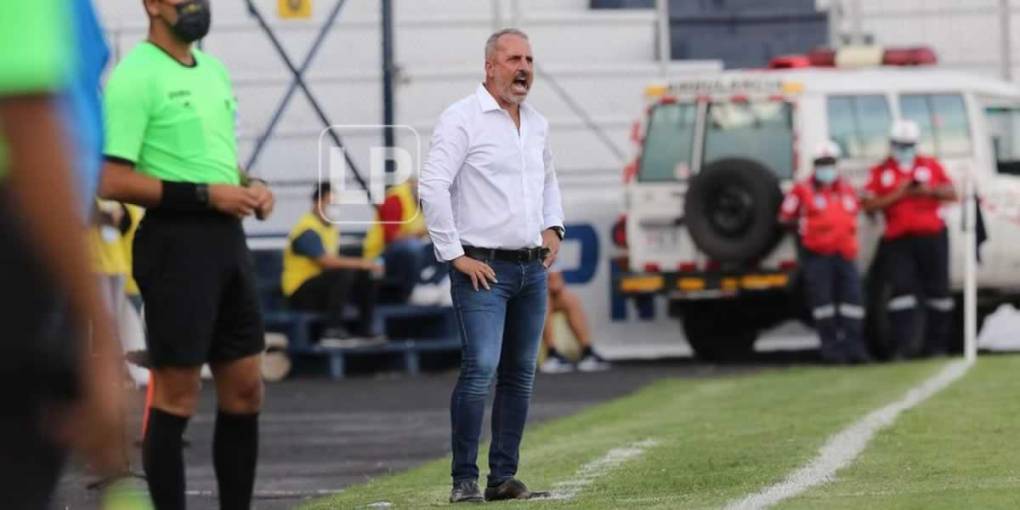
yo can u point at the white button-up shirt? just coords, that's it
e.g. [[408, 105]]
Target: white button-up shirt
[[485, 183]]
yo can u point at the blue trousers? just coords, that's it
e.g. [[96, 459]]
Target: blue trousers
[[834, 295], [500, 331]]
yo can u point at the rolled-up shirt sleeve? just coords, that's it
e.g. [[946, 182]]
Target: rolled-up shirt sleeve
[[552, 204], [445, 158]]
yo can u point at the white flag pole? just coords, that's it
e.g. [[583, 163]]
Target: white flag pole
[[969, 270]]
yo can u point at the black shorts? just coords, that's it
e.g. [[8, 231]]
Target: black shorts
[[197, 280]]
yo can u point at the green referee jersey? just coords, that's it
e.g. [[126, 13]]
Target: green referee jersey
[[174, 122], [34, 37]]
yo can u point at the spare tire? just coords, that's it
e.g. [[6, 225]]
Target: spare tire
[[731, 210]]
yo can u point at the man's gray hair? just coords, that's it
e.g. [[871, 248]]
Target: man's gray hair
[[490, 44]]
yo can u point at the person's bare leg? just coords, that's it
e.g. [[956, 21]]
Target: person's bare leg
[[548, 335], [576, 318], [239, 393], [239, 388], [174, 402]]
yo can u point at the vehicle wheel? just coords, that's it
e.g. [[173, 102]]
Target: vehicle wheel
[[715, 335], [730, 210]]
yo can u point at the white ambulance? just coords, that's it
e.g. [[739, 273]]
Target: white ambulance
[[718, 151]]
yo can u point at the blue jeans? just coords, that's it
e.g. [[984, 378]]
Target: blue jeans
[[500, 331]]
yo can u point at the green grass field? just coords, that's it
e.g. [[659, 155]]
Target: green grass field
[[720, 439]]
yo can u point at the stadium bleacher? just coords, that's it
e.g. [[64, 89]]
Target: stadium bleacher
[[410, 330]]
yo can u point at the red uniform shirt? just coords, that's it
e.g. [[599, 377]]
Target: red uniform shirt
[[912, 215], [827, 217]]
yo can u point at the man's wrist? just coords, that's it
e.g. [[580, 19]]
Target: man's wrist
[[559, 231], [184, 196]]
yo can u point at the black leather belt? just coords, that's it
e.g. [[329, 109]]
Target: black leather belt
[[522, 255]]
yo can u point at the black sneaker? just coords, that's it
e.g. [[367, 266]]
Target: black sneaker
[[466, 492], [512, 489]]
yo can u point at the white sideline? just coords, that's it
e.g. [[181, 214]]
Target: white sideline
[[841, 449], [586, 475]]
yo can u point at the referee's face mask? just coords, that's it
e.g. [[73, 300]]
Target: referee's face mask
[[193, 19]]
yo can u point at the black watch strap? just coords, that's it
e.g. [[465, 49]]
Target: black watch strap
[[560, 231]]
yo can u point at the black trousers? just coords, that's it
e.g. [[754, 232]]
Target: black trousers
[[330, 292], [918, 265], [834, 295]]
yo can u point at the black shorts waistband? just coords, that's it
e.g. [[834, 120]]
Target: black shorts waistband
[[521, 255], [159, 213]]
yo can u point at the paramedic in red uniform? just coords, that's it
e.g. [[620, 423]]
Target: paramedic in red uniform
[[824, 208], [909, 189]]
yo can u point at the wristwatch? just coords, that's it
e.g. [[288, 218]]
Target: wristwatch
[[560, 231]]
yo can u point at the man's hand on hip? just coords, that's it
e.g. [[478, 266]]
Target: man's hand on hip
[[479, 272], [551, 241]]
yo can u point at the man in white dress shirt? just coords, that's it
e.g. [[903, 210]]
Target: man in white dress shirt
[[492, 205]]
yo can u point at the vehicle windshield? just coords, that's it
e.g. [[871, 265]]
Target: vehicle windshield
[[757, 130], [669, 142]]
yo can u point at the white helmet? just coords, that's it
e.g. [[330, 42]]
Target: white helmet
[[827, 150], [905, 132]]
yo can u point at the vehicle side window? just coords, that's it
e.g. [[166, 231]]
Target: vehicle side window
[[668, 143], [860, 125], [945, 130], [1004, 128]]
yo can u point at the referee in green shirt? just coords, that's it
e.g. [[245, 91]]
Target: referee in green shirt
[[171, 147]]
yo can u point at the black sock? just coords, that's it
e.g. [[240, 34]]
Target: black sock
[[586, 351], [164, 460], [235, 453]]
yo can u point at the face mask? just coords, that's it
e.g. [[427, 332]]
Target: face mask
[[904, 155], [193, 20], [826, 174], [333, 212]]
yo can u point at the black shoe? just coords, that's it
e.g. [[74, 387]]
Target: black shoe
[[466, 492], [512, 489]]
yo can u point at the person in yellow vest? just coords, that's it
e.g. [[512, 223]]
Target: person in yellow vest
[[316, 278], [112, 264], [399, 236], [133, 219]]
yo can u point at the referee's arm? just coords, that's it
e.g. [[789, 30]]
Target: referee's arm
[[122, 183]]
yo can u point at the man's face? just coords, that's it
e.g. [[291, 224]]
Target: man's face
[[322, 207], [163, 9], [509, 69]]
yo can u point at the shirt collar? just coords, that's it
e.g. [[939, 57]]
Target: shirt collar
[[485, 99], [489, 103]]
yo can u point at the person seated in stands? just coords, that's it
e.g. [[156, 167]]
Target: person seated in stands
[[562, 300], [400, 238], [316, 278]]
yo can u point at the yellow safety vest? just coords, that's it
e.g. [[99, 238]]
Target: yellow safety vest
[[127, 240], [107, 254], [297, 269], [412, 221]]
